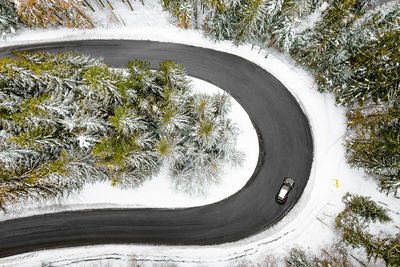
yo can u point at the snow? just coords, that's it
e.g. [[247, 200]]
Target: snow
[[311, 19], [309, 225], [83, 141]]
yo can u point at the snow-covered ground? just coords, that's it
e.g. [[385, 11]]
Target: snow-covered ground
[[309, 225]]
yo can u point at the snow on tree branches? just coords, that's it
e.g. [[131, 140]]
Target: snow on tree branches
[[353, 223], [256, 21], [374, 143], [66, 120], [45, 13], [356, 56], [9, 19]]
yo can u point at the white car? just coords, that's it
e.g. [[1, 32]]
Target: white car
[[283, 193]]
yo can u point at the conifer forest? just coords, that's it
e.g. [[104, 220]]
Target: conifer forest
[[353, 51], [68, 119]]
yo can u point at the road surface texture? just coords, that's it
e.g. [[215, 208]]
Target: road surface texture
[[286, 149]]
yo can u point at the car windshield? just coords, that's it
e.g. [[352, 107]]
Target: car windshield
[[288, 182], [283, 192]]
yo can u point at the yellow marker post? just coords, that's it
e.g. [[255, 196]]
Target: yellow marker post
[[337, 183]]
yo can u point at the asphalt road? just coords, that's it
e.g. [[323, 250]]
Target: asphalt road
[[286, 149]]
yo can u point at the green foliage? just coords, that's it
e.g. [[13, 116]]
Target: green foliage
[[335, 255], [375, 65], [49, 168], [221, 24], [183, 10], [104, 81], [386, 248], [318, 47], [172, 76], [251, 24], [256, 21], [353, 55], [353, 223], [374, 144], [126, 122], [365, 208], [30, 138], [356, 56], [298, 258], [358, 213], [68, 119], [114, 150], [52, 13], [389, 250]]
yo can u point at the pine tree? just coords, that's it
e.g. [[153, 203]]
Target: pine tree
[[251, 26], [260, 23], [283, 34], [298, 258], [335, 255], [9, 19], [40, 121], [183, 10], [354, 56], [318, 47], [353, 223], [374, 143], [364, 207], [66, 120], [375, 63], [220, 23], [53, 13]]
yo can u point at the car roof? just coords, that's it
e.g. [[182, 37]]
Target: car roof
[[283, 192]]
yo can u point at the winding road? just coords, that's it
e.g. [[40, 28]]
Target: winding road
[[286, 149]]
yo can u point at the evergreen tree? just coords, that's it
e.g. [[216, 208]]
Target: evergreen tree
[[251, 26], [220, 22], [257, 22], [319, 47], [66, 120], [356, 56], [298, 258], [183, 10], [353, 55], [283, 34], [374, 143], [353, 223], [335, 255], [37, 153], [364, 207], [45, 13], [376, 74], [9, 19]]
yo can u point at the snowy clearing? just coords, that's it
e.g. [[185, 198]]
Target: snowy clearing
[[308, 225]]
